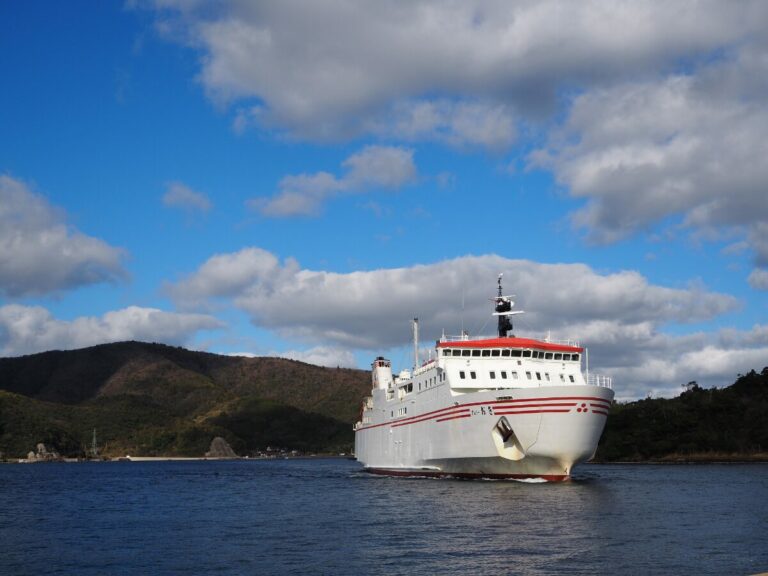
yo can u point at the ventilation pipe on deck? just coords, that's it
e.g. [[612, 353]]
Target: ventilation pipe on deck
[[415, 343]]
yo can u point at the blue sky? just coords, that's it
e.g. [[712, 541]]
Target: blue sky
[[302, 179]]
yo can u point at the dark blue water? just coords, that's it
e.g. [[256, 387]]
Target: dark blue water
[[326, 517]]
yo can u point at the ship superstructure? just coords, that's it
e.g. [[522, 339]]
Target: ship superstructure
[[500, 407]]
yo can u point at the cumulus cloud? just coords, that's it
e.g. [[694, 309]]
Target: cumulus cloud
[[40, 253], [665, 363], [373, 167], [490, 125], [666, 121], [621, 316], [178, 195], [683, 147], [228, 275], [30, 329], [327, 69]]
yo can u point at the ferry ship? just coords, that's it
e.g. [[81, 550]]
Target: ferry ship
[[499, 407]]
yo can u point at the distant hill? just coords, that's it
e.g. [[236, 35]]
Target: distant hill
[[153, 399], [701, 424]]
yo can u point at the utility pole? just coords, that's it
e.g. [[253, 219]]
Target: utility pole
[[94, 447]]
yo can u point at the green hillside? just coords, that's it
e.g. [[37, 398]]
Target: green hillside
[[701, 424], [152, 399]]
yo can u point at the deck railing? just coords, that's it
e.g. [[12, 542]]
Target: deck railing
[[546, 338], [599, 380]]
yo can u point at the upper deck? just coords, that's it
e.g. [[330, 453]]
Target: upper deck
[[508, 343]]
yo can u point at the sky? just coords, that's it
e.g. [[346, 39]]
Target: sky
[[301, 179]]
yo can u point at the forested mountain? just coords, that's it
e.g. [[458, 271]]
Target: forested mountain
[[153, 399], [701, 424]]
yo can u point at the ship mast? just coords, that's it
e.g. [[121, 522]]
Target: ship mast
[[415, 343], [504, 310]]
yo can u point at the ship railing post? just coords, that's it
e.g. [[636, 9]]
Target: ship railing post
[[586, 357]]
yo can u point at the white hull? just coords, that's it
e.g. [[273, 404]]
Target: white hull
[[554, 428]]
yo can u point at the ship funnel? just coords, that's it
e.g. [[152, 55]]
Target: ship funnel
[[381, 373]]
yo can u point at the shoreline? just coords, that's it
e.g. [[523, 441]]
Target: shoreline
[[720, 459], [177, 459]]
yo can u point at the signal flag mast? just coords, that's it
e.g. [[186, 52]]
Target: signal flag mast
[[504, 310]]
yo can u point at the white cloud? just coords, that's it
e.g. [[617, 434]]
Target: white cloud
[[683, 147], [758, 279], [662, 100], [457, 123], [40, 253], [179, 195], [372, 167], [30, 329], [328, 356], [335, 69], [228, 275], [620, 316]]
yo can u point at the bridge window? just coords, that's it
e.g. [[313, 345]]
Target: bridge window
[[486, 352], [575, 357], [466, 352], [566, 357], [495, 352], [475, 352], [548, 356], [505, 352], [517, 353], [526, 353], [558, 356]]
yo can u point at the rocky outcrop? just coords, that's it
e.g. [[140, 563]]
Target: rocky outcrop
[[220, 449], [43, 454]]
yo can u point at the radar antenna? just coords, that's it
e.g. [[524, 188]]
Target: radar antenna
[[503, 307]]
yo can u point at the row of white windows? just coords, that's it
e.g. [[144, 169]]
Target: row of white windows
[[408, 388], [503, 374], [492, 352], [433, 381]]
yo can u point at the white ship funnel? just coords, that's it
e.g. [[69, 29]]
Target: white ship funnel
[[381, 373]]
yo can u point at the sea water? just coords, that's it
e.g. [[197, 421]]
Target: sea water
[[326, 516]]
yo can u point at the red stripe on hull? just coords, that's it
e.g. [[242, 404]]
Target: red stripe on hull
[[507, 412], [497, 404], [453, 417], [466, 475]]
